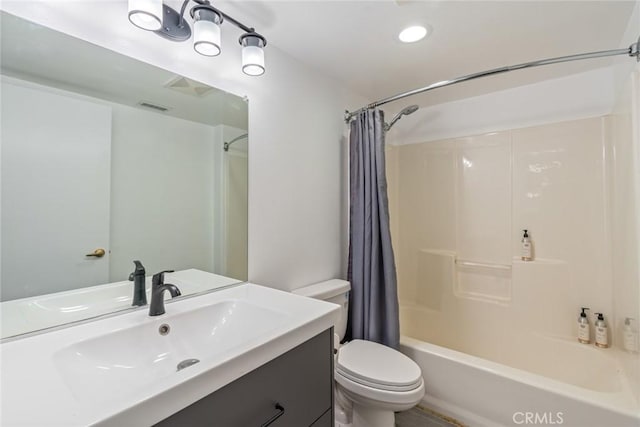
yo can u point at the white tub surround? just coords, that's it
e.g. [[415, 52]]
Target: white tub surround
[[31, 314], [461, 206], [120, 371], [585, 390]]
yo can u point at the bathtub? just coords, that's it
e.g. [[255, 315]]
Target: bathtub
[[565, 383]]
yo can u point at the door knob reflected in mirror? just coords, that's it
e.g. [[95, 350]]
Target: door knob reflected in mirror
[[98, 253]]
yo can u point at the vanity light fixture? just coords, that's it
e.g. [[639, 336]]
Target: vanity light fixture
[[153, 15]]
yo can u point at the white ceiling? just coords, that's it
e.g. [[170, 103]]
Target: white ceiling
[[356, 41]]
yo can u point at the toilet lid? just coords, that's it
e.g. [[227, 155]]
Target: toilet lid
[[378, 366]]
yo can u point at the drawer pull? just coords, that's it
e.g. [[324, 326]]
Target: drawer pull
[[280, 413]]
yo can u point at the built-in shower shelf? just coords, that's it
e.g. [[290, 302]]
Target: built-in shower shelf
[[484, 281]]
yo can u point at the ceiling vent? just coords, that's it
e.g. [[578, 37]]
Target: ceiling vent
[[189, 87], [154, 107]]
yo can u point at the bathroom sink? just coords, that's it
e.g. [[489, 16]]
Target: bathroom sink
[[122, 370], [141, 355]]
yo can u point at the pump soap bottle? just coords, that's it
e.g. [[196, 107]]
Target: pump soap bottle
[[602, 333], [527, 249], [630, 336], [583, 327]]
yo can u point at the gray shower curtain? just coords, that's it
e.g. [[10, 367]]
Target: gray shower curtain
[[373, 305]]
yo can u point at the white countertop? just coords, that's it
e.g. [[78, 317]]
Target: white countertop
[[37, 392]]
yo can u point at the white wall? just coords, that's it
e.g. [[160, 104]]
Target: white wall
[[624, 133], [624, 204], [625, 198], [296, 203], [234, 206], [162, 215]]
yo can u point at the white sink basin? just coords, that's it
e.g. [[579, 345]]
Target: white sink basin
[[121, 371], [140, 355]]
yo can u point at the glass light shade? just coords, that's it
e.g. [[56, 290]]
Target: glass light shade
[[206, 37], [146, 14], [252, 60]]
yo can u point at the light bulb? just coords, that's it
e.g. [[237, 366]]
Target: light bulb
[[252, 54], [206, 32], [146, 14], [412, 34]]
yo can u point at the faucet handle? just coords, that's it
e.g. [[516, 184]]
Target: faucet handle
[[158, 278]]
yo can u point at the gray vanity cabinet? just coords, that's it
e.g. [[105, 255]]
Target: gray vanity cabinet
[[300, 382]]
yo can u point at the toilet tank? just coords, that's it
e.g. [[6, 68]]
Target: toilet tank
[[335, 291]]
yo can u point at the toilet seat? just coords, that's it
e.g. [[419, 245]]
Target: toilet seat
[[379, 367]]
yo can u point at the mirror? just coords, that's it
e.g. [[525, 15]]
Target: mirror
[[106, 160]]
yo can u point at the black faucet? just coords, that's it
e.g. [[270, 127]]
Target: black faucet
[[139, 287], [156, 308]]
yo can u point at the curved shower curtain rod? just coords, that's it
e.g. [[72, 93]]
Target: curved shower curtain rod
[[237, 138], [631, 51]]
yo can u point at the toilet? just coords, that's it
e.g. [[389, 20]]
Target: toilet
[[372, 381]]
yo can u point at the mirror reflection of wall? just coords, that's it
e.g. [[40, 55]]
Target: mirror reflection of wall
[[115, 155], [235, 176]]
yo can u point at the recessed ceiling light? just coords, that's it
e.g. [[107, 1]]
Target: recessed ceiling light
[[412, 34]]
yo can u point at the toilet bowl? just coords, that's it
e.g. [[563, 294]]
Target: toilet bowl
[[378, 381], [372, 381]]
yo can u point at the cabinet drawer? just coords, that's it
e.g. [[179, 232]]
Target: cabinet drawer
[[301, 381]]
